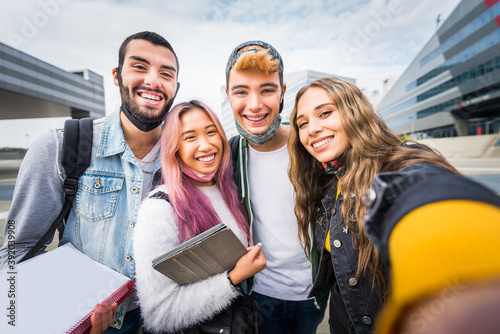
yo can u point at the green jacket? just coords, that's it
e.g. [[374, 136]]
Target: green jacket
[[239, 156]]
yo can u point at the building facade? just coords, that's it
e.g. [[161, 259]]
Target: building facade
[[452, 87], [32, 88], [294, 81]]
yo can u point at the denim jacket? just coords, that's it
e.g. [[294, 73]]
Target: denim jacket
[[102, 219], [362, 303], [101, 223]]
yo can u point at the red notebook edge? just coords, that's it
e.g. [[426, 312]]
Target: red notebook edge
[[83, 326]]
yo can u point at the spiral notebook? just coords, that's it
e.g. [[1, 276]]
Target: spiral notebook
[[56, 292], [209, 253]]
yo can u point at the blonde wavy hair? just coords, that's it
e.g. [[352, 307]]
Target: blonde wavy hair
[[374, 148]]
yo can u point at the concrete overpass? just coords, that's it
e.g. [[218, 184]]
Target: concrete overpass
[[32, 88]]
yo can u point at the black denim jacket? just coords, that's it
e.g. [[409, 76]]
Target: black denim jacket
[[362, 301]]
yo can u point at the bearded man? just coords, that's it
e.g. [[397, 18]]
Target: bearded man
[[125, 151]]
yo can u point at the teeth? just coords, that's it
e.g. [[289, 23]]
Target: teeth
[[150, 97], [255, 119], [207, 159], [321, 143]]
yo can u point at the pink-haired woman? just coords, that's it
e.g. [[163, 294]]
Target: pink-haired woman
[[198, 179]]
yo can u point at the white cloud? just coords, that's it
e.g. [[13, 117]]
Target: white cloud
[[309, 35]]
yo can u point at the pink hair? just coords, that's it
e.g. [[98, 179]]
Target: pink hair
[[194, 211]]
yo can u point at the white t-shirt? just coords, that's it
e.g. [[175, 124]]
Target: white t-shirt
[[147, 169], [288, 272]]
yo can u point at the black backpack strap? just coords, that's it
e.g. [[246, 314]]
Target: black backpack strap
[[76, 155], [234, 145], [160, 195]]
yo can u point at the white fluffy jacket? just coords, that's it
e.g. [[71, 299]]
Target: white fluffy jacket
[[166, 305]]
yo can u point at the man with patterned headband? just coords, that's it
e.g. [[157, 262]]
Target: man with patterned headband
[[255, 88]]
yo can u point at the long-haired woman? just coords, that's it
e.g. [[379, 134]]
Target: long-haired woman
[[338, 143], [201, 192]]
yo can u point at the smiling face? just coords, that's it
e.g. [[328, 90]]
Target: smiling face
[[255, 98], [320, 126], [147, 80], [201, 144]]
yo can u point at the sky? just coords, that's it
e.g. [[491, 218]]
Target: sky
[[369, 40]]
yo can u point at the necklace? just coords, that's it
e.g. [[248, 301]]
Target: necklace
[[147, 162]]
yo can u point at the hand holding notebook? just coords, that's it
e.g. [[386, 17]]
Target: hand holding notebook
[[63, 282]]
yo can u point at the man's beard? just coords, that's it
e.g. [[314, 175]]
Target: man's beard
[[145, 114]]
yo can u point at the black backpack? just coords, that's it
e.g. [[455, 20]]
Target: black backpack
[[234, 145], [76, 155]]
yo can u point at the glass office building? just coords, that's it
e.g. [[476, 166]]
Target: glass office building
[[452, 88], [32, 88], [294, 81]]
